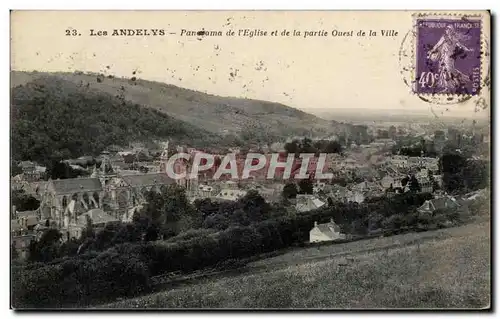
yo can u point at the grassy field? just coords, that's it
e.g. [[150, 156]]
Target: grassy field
[[448, 268]]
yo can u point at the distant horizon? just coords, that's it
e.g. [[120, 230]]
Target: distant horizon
[[316, 111], [452, 112]]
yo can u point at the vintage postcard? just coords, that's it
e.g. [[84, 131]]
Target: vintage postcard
[[250, 160]]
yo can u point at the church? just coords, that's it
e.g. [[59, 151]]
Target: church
[[64, 201]]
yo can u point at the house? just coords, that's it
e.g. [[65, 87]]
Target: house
[[476, 195], [28, 219], [98, 217], [399, 161], [31, 171], [383, 143], [364, 190], [230, 194], [21, 244], [439, 180], [20, 238], [318, 186], [128, 217], [307, 202], [426, 185], [40, 229], [269, 193], [445, 202], [338, 193], [388, 182], [325, 232], [355, 196], [27, 166], [205, 191], [430, 163]]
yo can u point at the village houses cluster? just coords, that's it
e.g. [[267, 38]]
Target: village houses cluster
[[113, 191]]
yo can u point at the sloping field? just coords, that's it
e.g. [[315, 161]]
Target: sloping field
[[440, 269]]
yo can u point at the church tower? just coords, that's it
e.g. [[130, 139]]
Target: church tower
[[164, 158], [105, 172]]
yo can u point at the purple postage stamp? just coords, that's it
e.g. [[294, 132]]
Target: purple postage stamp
[[448, 56]]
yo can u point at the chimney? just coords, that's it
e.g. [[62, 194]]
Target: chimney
[[331, 221], [315, 224]]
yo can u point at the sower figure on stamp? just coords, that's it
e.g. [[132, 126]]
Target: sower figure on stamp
[[449, 78]]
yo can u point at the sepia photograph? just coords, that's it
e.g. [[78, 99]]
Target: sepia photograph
[[250, 160]]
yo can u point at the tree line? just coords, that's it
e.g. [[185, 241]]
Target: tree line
[[306, 145], [54, 119], [172, 235]]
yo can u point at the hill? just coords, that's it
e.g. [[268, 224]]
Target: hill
[[447, 268], [252, 119], [56, 118]]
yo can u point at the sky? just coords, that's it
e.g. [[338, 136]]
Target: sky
[[317, 72]]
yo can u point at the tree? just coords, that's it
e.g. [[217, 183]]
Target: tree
[[240, 217], [151, 233], [69, 248], [216, 221], [292, 147], [47, 248], [290, 190], [23, 201], [393, 222], [476, 174], [13, 252], [330, 202], [254, 207], [206, 207], [127, 233], [414, 185], [305, 186], [15, 169], [333, 147], [405, 181], [435, 184], [375, 221], [62, 170], [452, 165], [53, 117], [166, 209], [88, 231]]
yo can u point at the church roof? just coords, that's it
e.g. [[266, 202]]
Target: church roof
[[76, 185], [148, 179]]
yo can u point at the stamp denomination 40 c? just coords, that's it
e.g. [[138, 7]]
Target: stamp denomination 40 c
[[448, 56]]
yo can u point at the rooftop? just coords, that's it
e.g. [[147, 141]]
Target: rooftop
[[148, 179], [76, 185]]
